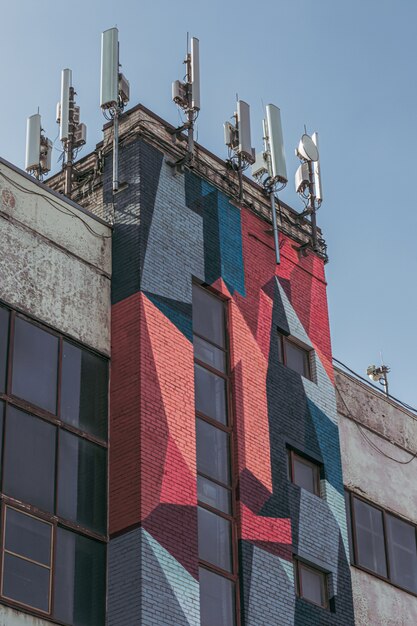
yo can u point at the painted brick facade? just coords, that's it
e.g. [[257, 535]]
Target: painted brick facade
[[171, 229]]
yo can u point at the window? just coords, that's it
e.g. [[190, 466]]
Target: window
[[312, 584], [216, 524], [53, 473], [304, 473], [382, 543], [294, 356]]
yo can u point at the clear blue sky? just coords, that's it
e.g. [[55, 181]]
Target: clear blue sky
[[345, 69]]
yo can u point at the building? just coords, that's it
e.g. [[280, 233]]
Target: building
[[226, 500], [379, 446]]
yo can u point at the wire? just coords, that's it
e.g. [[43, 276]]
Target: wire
[[367, 439], [55, 205]]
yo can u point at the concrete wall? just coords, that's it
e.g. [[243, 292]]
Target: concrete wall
[[56, 259], [10, 617], [368, 420]]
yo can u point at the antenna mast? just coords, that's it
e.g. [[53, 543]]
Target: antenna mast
[[238, 138], [72, 133], [38, 148], [114, 91], [308, 181], [271, 163], [187, 95]]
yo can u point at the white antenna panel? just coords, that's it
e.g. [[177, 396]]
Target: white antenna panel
[[66, 83], [302, 178], [243, 116], [195, 74], [33, 142], [276, 143], [229, 134], [109, 85], [316, 170], [260, 167]]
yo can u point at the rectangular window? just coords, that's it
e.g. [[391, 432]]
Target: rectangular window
[[217, 599], [312, 584], [294, 356], [35, 365], [304, 473], [382, 543], [210, 394], [214, 539], [27, 560]]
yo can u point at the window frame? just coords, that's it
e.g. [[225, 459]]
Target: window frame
[[294, 455], [299, 564], [228, 428], [54, 419], [354, 547], [283, 341]]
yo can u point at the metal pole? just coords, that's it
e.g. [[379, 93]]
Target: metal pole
[[312, 205], [275, 227], [116, 151], [69, 146], [386, 383], [190, 134]]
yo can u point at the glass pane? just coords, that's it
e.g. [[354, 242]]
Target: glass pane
[[402, 553], [80, 575], [370, 537], [26, 582], [4, 335], [29, 459], [213, 452], [296, 358], [35, 365], [28, 537], [208, 316], [204, 351], [212, 494], [84, 390], [210, 394], [306, 475], [82, 482], [216, 600], [312, 585], [214, 539]]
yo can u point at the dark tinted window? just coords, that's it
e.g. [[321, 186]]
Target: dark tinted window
[[26, 573], [214, 495], [213, 452], [370, 537], [402, 553], [206, 352], [208, 316], [35, 365], [29, 459], [216, 600], [214, 539], [305, 474], [312, 585], [82, 482], [4, 335], [296, 358], [210, 394], [84, 390], [79, 580]]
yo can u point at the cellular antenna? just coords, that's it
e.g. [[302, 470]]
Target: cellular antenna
[[38, 148], [72, 133], [114, 91], [308, 181], [187, 95], [270, 168], [237, 137]]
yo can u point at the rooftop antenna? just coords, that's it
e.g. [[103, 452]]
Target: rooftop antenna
[[270, 168], [38, 148], [72, 133], [187, 94], [114, 91], [308, 180], [379, 375], [237, 137]]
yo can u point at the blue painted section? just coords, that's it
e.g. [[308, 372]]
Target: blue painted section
[[327, 435], [230, 236]]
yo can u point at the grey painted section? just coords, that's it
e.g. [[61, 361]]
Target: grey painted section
[[124, 593], [10, 617]]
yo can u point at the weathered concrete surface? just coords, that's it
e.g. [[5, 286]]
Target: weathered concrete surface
[[56, 260], [372, 429], [378, 603], [10, 617]]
